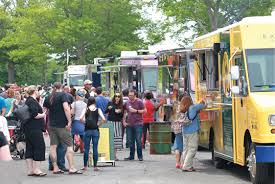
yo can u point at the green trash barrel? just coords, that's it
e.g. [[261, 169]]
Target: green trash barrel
[[160, 138]]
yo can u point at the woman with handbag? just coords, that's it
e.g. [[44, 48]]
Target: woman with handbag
[[176, 126], [191, 127], [78, 128], [90, 116], [34, 128]]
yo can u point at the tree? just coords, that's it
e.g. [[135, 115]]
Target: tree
[[25, 39], [92, 28], [5, 24], [204, 16], [44, 29]]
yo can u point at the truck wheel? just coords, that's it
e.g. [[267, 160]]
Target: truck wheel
[[220, 163], [258, 172]]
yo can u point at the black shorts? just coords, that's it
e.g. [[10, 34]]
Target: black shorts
[[3, 140], [35, 145]]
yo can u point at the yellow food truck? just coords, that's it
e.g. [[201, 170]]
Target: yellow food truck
[[235, 73]]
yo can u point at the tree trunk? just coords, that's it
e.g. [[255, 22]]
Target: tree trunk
[[214, 22], [45, 70], [212, 9], [11, 72]]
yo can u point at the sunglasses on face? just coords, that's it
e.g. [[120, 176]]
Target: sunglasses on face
[[117, 96]]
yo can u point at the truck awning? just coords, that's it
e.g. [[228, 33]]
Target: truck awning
[[114, 66]]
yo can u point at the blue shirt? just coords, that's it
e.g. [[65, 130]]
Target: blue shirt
[[2, 104], [8, 102], [102, 103], [195, 125]]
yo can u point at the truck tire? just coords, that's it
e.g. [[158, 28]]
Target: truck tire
[[220, 163], [258, 172]]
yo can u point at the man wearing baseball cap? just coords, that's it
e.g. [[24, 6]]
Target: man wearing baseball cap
[[87, 87]]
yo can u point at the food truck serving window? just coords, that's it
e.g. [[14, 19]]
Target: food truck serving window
[[212, 70], [209, 69], [150, 78], [261, 67], [192, 76], [202, 66]]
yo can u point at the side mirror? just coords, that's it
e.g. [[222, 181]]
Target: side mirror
[[235, 90], [235, 73]]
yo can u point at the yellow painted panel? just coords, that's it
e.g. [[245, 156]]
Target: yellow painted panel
[[260, 106], [258, 36], [207, 42], [104, 145], [235, 39]]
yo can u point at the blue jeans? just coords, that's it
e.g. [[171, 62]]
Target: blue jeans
[[60, 152], [127, 137], [135, 134], [94, 135]]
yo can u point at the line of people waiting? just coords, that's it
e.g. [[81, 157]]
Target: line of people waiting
[[54, 109]]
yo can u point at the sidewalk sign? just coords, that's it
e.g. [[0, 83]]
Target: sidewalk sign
[[105, 145]]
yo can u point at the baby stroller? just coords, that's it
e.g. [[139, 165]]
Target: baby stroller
[[17, 142]]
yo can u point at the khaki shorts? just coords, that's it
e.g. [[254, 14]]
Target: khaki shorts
[[60, 136]]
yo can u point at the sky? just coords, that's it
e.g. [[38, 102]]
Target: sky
[[169, 43], [157, 16]]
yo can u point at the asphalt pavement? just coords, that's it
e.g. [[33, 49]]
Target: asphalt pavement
[[155, 169]]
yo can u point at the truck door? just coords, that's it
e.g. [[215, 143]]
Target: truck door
[[240, 113], [227, 121]]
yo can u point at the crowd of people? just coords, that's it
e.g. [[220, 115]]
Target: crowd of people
[[66, 113]]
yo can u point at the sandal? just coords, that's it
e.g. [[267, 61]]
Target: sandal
[[58, 172], [189, 170], [40, 174], [31, 174], [75, 172], [97, 169], [84, 169]]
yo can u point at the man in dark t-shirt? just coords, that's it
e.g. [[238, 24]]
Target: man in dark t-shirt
[[57, 120], [56, 111], [70, 97], [60, 126]]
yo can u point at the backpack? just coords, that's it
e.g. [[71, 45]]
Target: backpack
[[22, 113], [184, 118], [91, 119]]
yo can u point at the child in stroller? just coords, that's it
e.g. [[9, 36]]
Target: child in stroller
[[17, 141]]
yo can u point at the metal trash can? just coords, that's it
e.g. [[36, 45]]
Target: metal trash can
[[160, 138]]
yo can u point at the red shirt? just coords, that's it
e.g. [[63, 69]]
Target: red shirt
[[149, 115]]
